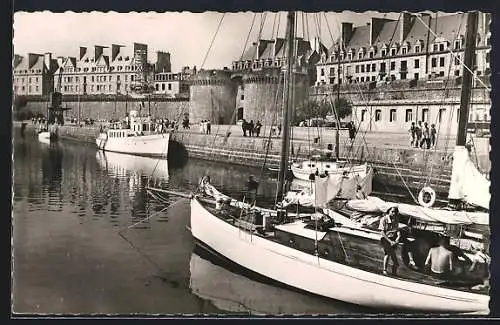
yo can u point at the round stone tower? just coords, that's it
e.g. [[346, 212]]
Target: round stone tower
[[262, 93], [212, 97]]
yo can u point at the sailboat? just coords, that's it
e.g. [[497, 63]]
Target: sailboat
[[331, 254], [50, 132]]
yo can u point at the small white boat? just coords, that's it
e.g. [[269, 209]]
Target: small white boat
[[139, 139], [302, 170], [48, 136]]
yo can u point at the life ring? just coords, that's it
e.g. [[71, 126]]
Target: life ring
[[426, 192]]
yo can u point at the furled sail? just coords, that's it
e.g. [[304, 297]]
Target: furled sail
[[377, 205], [324, 189], [467, 183]]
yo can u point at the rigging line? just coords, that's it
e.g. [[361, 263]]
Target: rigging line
[[454, 55], [404, 182], [213, 39], [248, 36], [272, 124]]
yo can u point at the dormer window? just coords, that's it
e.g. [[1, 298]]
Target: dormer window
[[457, 45], [383, 53], [403, 50], [434, 47], [393, 52], [371, 54], [441, 47], [349, 56], [417, 48], [360, 55]]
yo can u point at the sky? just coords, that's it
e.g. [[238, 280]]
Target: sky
[[187, 36]]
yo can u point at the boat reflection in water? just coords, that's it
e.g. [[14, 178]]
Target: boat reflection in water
[[228, 288], [119, 164]]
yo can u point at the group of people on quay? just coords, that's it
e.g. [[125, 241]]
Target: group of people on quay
[[421, 136], [205, 127], [251, 128]]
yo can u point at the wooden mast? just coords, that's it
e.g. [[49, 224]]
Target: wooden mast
[[288, 102], [470, 52]]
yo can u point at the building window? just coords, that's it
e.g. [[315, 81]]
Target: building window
[[157, 87], [383, 53], [362, 79], [433, 62], [425, 114], [441, 47], [332, 71], [368, 67], [362, 68], [373, 67], [373, 78], [382, 67], [169, 86], [417, 49], [457, 73], [417, 64], [441, 62], [415, 76], [322, 72], [363, 112], [393, 65], [457, 45], [392, 115], [409, 115], [441, 73], [357, 69], [403, 50], [371, 54], [434, 47], [360, 55], [441, 113], [378, 115]]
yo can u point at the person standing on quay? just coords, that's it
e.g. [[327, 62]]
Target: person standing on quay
[[209, 127], [426, 137], [433, 135], [412, 134], [418, 133]]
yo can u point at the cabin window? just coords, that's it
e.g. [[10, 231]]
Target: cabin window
[[409, 115], [378, 115]]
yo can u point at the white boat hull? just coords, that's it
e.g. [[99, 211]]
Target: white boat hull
[[155, 145], [323, 277], [45, 137], [304, 169]]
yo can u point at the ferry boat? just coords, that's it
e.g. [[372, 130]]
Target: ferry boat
[[138, 137]]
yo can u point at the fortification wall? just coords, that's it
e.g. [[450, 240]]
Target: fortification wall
[[212, 97]]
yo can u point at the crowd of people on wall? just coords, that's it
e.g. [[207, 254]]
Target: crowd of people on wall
[[421, 136]]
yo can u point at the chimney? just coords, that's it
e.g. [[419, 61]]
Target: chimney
[[405, 25], [163, 61], [17, 59], [47, 59], [376, 27], [60, 60], [347, 32], [98, 51], [115, 49], [32, 58], [83, 51]]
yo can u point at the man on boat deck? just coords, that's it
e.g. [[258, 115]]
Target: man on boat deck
[[252, 186], [360, 194], [389, 224], [440, 258]]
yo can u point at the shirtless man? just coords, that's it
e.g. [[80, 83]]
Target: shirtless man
[[440, 258]]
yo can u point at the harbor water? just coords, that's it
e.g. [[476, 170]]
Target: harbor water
[[79, 246]]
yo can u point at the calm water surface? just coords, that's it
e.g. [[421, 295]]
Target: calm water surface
[[77, 248]]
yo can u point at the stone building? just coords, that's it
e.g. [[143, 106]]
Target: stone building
[[33, 74], [173, 84], [396, 71], [212, 97], [259, 76], [387, 50], [109, 70]]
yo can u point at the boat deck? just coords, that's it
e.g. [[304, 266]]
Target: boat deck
[[350, 247]]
